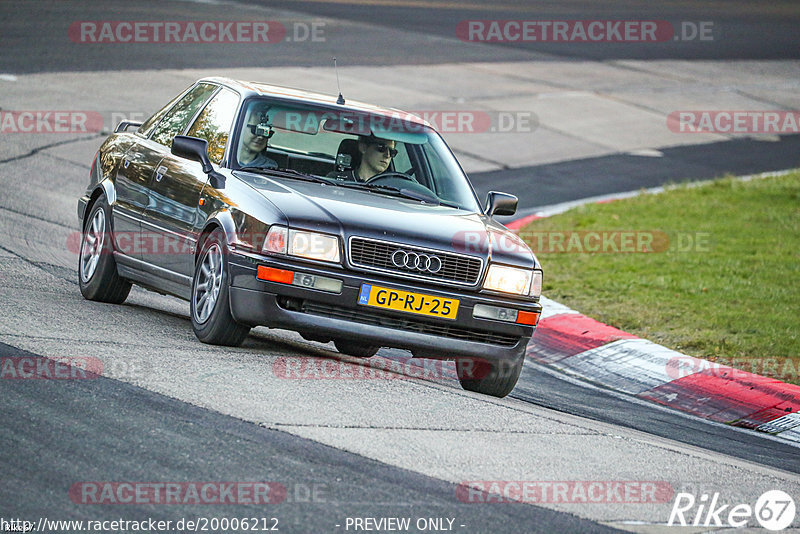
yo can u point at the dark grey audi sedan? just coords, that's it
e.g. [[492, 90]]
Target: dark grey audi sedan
[[342, 221]]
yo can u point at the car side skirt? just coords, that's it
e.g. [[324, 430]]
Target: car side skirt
[[152, 277]]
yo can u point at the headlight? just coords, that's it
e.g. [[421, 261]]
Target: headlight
[[310, 245], [313, 246], [508, 279]]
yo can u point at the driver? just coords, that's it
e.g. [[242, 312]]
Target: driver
[[253, 144], [376, 155]]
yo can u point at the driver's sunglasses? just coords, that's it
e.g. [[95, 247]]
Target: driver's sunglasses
[[383, 147], [263, 130]]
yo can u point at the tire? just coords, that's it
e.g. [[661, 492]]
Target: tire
[[496, 379], [358, 350], [210, 306], [97, 271]]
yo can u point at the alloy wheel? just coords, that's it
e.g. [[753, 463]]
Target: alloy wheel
[[92, 247], [209, 282]]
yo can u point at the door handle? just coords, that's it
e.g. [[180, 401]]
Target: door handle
[[160, 172]]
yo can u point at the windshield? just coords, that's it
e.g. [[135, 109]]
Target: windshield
[[393, 154]]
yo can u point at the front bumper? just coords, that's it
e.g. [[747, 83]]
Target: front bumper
[[324, 316]]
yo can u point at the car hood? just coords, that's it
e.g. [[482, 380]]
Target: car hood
[[348, 212]]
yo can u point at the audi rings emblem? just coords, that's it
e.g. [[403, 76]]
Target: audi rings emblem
[[416, 262]]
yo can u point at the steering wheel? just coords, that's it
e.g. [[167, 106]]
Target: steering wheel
[[392, 174]]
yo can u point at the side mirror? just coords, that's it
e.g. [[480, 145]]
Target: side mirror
[[498, 203], [124, 124], [196, 149]]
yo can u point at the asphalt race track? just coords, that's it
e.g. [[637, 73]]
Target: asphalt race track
[[168, 409]]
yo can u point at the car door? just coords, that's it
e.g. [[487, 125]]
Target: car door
[[131, 185], [173, 214], [135, 171]]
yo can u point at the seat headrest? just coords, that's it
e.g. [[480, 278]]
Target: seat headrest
[[350, 147]]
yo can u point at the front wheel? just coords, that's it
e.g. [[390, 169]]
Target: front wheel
[[212, 320], [490, 378]]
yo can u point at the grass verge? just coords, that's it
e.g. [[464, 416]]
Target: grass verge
[[719, 278]]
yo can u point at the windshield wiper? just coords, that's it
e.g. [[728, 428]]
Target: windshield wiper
[[288, 173], [378, 188], [397, 191]]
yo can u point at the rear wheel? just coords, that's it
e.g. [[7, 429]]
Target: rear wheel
[[97, 270], [359, 350], [212, 320], [490, 378]]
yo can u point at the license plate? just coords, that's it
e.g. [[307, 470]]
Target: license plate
[[406, 301]]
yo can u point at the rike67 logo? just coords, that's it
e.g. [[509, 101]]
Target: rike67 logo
[[774, 510]]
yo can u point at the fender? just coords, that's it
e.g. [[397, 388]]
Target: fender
[[109, 189], [105, 187], [102, 185], [222, 218]]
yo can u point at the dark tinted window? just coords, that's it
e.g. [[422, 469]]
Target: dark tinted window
[[214, 123], [177, 118]]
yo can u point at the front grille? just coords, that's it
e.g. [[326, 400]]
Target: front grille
[[377, 255], [408, 325]]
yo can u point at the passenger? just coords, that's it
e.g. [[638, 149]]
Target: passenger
[[376, 155], [253, 142]]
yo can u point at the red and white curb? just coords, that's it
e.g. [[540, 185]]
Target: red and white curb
[[583, 347], [580, 346]]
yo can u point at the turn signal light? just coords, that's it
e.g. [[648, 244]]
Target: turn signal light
[[271, 274], [311, 281], [530, 318]]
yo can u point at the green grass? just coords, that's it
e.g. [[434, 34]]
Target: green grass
[[734, 299]]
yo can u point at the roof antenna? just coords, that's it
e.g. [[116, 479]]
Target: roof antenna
[[339, 100]]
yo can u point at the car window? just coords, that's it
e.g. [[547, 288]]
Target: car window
[[147, 126], [401, 161], [214, 123], [176, 119], [308, 139]]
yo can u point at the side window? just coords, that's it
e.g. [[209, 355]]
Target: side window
[[147, 127], [439, 173], [177, 118], [401, 161], [214, 123]]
